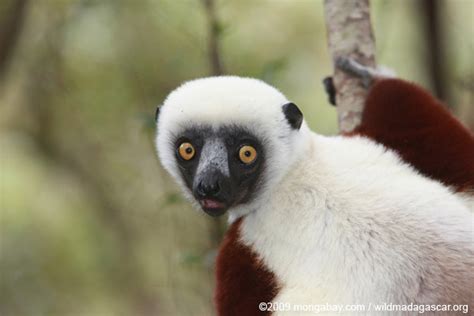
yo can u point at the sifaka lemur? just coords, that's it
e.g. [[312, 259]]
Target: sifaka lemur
[[381, 215]]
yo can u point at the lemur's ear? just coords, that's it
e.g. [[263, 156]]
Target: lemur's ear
[[157, 113], [293, 115]]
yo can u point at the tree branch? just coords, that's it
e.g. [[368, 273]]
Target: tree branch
[[217, 69], [430, 14], [10, 30], [349, 33]]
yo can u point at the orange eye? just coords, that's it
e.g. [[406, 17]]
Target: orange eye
[[247, 154], [186, 151]]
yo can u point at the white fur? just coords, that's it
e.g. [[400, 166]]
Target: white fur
[[352, 224], [339, 220], [467, 198]]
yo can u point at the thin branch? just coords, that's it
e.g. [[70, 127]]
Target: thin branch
[[430, 13], [9, 32], [349, 33], [217, 68]]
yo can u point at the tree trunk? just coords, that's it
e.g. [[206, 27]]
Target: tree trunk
[[349, 33]]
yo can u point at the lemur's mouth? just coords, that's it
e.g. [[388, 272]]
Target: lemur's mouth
[[213, 207]]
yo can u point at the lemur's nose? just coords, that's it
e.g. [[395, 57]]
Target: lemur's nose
[[208, 188]]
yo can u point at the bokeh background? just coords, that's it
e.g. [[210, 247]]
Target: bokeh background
[[90, 224]]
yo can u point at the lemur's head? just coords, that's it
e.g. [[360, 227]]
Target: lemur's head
[[228, 140]]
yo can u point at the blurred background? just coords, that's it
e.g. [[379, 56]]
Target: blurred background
[[90, 224]]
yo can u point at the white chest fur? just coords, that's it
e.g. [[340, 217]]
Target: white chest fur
[[351, 224]]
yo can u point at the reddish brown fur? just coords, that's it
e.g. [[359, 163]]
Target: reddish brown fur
[[242, 281], [406, 118]]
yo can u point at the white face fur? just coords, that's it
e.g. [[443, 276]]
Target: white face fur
[[203, 127]]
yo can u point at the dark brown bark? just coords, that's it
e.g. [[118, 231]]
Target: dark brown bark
[[10, 29], [431, 17], [215, 61]]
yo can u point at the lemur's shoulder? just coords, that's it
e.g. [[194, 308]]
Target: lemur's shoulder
[[360, 173], [409, 120], [404, 117]]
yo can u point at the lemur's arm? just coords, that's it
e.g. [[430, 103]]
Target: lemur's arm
[[406, 118]]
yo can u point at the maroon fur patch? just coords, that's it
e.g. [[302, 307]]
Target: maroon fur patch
[[242, 280], [407, 119]]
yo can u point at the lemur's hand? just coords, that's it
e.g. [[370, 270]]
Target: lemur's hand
[[330, 90], [350, 66], [367, 75]]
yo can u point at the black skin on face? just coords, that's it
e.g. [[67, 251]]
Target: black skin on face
[[244, 179]]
